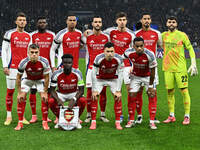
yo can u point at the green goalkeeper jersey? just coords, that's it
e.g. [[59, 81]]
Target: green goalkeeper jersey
[[174, 44]]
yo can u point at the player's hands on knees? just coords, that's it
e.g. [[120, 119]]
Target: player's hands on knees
[[118, 95], [54, 69], [44, 97], [95, 95], [71, 104], [6, 71], [21, 97], [151, 92]]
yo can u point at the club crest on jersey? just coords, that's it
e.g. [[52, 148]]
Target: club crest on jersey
[[39, 69], [125, 38], [103, 40], [152, 36], [68, 115], [78, 38], [48, 38], [26, 38]]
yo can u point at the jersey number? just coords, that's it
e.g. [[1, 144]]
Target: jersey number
[[184, 78]]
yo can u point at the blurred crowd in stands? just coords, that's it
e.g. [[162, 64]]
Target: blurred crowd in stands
[[57, 10]]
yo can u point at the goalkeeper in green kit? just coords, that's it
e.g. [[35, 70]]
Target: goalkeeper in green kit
[[174, 67]]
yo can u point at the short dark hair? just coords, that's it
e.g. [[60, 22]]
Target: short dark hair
[[34, 46], [67, 56], [108, 45], [120, 14], [96, 16], [145, 13], [20, 14], [138, 39], [41, 17], [172, 18], [71, 14]]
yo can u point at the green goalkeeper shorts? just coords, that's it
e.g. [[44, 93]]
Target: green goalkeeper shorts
[[181, 79]]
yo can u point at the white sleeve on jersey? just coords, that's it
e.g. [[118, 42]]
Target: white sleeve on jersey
[[5, 53], [22, 65], [45, 64], [6, 49], [133, 35], [151, 58], [120, 76], [53, 53], [159, 42]]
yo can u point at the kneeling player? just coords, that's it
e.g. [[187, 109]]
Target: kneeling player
[[36, 70], [67, 80], [107, 71], [143, 72]]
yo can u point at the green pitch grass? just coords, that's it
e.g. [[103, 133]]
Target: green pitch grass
[[172, 136]]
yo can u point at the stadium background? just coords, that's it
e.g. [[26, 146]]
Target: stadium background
[[174, 136]]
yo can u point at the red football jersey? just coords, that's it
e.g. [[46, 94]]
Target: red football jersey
[[34, 71], [18, 46], [108, 69], [44, 40], [121, 40], [152, 38], [67, 83], [94, 46], [70, 44], [141, 63]]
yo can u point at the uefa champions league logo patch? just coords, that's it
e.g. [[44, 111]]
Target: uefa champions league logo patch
[[69, 115]]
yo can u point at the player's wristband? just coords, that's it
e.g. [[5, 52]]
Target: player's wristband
[[74, 98], [151, 86]]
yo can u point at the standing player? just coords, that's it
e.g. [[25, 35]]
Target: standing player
[[152, 38], [14, 49], [67, 80], [122, 38], [95, 42], [36, 69], [69, 40], [107, 71], [174, 67], [43, 38], [144, 64]]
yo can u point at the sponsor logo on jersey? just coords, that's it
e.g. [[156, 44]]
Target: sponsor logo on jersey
[[92, 41], [16, 38], [37, 39], [62, 81]]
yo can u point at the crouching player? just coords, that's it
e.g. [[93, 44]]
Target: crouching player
[[143, 72], [107, 71], [67, 80], [36, 69]]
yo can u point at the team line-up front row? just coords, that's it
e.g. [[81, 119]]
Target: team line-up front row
[[108, 63]]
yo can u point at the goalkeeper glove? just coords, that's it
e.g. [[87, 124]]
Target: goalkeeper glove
[[193, 67]]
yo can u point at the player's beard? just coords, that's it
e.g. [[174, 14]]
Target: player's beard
[[146, 26], [67, 70], [171, 28], [97, 28]]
